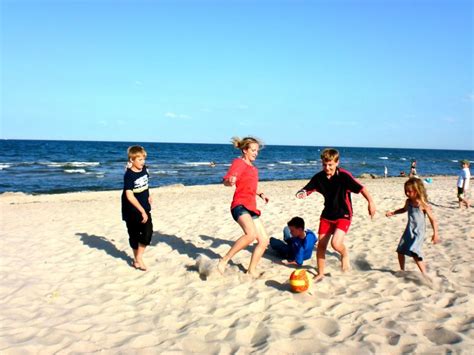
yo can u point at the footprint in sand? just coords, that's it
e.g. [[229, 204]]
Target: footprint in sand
[[441, 336]]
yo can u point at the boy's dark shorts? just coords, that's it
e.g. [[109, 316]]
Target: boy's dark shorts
[[460, 193], [239, 210], [139, 232]]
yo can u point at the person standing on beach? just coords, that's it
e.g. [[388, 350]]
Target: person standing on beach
[[136, 205], [413, 169], [335, 184], [464, 178], [244, 176], [412, 239]]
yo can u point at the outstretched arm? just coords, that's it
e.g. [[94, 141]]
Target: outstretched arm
[[400, 210], [371, 204]]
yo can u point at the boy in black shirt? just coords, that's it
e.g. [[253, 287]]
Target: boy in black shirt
[[335, 184], [136, 205]]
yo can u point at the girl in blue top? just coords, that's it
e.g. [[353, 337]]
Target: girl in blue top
[[412, 239]]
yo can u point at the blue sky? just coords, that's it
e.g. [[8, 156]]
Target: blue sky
[[393, 73]]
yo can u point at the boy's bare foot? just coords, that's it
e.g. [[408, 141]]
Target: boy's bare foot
[[221, 266], [345, 264], [139, 265]]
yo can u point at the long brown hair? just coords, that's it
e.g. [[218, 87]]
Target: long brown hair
[[418, 186]]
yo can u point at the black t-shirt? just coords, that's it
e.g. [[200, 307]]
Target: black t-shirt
[[336, 191], [138, 183]]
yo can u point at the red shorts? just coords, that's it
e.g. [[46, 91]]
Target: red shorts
[[327, 226]]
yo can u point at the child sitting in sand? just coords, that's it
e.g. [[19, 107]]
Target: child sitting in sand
[[412, 239], [136, 205], [335, 184], [298, 243], [463, 184]]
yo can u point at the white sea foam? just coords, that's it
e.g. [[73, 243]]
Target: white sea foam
[[198, 163], [4, 166], [165, 172], [287, 162], [75, 171], [383, 158], [72, 164]]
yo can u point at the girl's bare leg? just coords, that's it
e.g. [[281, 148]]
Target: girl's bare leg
[[401, 261], [421, 265], [250, 233], [260, 248]]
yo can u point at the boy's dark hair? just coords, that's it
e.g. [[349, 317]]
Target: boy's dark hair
[[296, 222]]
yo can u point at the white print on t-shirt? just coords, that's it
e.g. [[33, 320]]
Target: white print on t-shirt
[[464, 177], [140, 184]]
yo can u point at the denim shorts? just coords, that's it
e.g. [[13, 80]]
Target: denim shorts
[[239, 210]]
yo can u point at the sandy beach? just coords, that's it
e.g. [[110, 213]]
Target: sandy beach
[[67, 285]]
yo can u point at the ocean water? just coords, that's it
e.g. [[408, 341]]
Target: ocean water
[[34, 166]]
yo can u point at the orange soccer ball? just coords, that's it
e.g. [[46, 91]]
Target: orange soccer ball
[[299, 281]]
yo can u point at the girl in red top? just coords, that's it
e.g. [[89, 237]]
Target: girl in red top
[[244, 176]]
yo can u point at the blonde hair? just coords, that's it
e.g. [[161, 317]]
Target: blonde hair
[[134, 151], [330, 154], [418, 186], [245, 142]]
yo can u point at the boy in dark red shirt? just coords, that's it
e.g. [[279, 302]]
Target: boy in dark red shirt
[[336, 185]]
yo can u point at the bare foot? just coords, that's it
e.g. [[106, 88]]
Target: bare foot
[[139, 265], [345, 264], [221, 266]]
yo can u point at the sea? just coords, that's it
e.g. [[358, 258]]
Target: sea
[[51, 167]]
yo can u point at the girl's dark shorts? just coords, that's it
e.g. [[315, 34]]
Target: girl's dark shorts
[[139, 232], [239, 210]]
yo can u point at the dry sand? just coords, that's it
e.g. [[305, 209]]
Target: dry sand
[[67, 285]]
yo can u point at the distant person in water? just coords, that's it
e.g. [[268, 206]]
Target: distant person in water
[[244, 176], [335, 184]]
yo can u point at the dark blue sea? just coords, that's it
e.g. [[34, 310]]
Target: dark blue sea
[[37, 167]]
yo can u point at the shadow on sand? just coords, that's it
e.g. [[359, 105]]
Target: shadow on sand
[[102, 243]]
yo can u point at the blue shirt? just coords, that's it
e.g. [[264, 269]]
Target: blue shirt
[[301, 249]]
